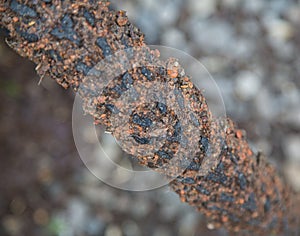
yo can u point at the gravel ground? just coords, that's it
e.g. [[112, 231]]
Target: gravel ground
[[250, 48]]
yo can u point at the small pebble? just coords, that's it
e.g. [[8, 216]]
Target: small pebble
[[278, 29], [131, 228], [113, 230], [203, 8], [292, 148], [247, 85]]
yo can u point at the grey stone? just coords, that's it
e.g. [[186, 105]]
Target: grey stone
[[113, 230], [247, 85], [292, 148], [203, 8], [131, 228]]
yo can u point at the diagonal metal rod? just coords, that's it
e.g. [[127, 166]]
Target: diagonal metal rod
[[220, 175]]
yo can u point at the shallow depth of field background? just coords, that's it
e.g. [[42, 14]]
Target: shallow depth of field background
[[252, 50]]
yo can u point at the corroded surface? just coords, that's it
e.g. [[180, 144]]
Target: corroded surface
[[233, 187]]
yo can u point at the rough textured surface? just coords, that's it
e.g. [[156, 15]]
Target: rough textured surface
[[243, 192]]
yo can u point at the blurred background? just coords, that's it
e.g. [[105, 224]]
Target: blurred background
[[252, 50]]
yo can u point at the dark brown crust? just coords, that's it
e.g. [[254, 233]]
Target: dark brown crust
[[234, 187]]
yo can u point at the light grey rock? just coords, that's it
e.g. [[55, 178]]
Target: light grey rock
[[283, 49], [291, 94], [279, 6], [77, 214], [95, 226], [292, 171], [113, 230], [99, 195], [263, 145], [250, 28], [241, 48], [254, 6], [169, 198], [278, 29], [214, 64], [131, 228], [293, 13], [212, 36], [292, 148], [267, 105], [149, 24], [152, 16], [167, 11], [247, 85], [203, 8], [174, 38]]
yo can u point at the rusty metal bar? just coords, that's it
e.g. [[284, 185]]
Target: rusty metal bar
[[234, 187]]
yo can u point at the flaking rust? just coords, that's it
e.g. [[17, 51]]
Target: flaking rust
[[66, 39]]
